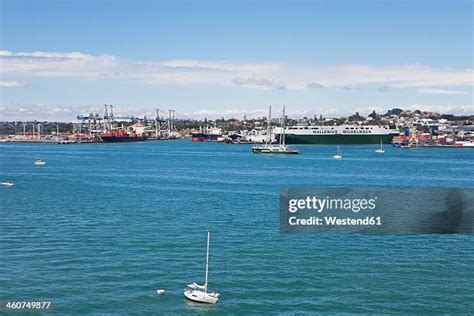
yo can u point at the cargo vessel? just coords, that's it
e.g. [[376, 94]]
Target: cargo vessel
[[122, 136], [208, 135], [342, 134], [200, 137]]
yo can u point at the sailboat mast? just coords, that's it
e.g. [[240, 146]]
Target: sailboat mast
[[207, 258], [269, 125], [281, 132], [283, 122]]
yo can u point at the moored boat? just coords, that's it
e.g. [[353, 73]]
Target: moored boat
[[343, 134], [274, 149], [199, 137], [380, 150], [281, 147], [122, 136], [200, 293], [40, 162], [207, 135], [338, 155]]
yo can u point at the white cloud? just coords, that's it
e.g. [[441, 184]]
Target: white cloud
[[258, 81], [41, 112], [11, 84], [348, 88], [264, 75], [213, 114], [39, 54], [68, 113], [442, 91], [443, 109], [314, 85]]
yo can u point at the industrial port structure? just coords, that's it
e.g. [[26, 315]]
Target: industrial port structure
[[90, 126], [156, 128]]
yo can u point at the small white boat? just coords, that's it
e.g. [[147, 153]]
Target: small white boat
[[338, 155], [200, 293], [40, 162], [160, 291], [8, 184], [380, 150]]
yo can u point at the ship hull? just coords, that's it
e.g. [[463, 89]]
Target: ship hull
[[201, 137], [266, 151], [115, 139], [198, 139], [337, 139]]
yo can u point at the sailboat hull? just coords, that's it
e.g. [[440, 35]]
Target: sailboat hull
[[199, 293], [280, 149], [276, 150], [201, 296]]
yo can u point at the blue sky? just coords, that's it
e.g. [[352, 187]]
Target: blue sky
[[214, 58]]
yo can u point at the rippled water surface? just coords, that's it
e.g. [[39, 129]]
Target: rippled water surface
[[102, 226]]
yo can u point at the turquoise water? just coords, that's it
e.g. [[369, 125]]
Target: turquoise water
[[102, 226]]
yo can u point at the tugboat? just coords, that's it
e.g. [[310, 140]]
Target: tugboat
[[122, 136]]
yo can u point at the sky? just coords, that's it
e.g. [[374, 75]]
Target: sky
[[231, 58]]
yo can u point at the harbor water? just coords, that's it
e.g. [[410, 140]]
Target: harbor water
[[101, 227]]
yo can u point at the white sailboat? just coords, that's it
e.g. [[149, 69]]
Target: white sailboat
[[269, 148], [338, 155], [201, 293], [7, 184], [40, 162], [380, 150]]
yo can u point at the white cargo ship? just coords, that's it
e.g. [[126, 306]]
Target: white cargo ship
[[342, 134]]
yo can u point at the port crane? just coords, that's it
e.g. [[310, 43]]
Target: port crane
[[159, 127]]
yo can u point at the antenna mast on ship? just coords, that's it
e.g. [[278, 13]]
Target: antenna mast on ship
[[283, 121], [111, 112], [269, 125], [173, 119], [106, 118], [169, 123], [157, 123]]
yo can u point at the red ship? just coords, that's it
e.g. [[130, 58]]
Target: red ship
[[121, 136], [199, 137]]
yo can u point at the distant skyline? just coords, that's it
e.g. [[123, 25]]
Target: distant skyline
[[211, 59]]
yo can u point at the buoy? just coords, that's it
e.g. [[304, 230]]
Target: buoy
[[160, 292]]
